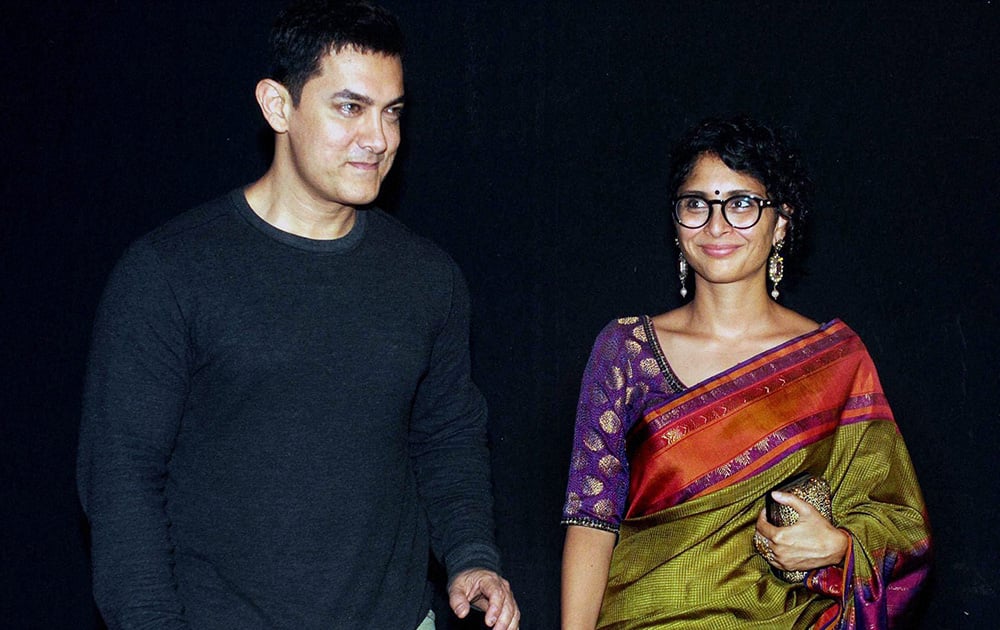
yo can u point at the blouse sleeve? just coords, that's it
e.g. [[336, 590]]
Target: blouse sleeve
[[598, 474]]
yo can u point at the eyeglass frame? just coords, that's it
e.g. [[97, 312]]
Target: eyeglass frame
[[762, 203]]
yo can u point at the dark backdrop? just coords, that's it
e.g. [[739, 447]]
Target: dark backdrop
[[535, 148]]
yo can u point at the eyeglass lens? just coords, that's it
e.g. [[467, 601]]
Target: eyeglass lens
[[742, 211]]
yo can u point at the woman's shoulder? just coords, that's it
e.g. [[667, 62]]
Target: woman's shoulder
[[671, 321], [623, 332], [793, 324], [622, 326]]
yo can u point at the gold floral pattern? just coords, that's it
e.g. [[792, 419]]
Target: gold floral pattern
[[573, 503], [649, 367], [616, 378], [592, 486], [610, 422], [604, 508], [623, 373], [593, 441], [610, 465]]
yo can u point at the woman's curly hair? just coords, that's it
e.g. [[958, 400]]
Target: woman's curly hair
[[752, 148]]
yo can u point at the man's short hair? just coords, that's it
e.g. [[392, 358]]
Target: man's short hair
[[309, 29]]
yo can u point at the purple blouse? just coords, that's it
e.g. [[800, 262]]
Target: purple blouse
[[626, 376]]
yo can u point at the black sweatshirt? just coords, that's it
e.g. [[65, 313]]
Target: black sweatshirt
[[270, 422]]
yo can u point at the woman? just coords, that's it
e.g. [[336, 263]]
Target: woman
[[687, 419]]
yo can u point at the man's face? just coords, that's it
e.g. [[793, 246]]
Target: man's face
[[344, 132]]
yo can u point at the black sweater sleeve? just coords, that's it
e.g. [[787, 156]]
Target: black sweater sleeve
[[133, 399], [449, 448]]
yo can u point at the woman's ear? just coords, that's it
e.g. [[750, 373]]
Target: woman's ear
[[781, 226], [275, 103]]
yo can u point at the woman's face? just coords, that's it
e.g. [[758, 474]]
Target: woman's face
[[718, 252]]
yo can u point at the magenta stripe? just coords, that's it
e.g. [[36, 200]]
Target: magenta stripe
[[867, 400]]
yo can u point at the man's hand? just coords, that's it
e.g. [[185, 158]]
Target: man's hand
[[484, 590]]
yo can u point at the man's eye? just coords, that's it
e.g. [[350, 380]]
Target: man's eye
[[349, 109], [394, 113]]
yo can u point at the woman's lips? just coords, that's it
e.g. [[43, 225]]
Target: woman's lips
[[719, 251]]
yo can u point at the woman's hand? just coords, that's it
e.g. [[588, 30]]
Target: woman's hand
[[812, 542]]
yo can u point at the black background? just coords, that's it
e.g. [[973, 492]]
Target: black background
[[535, 150]]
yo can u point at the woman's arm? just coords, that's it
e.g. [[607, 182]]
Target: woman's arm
[[585, 563]]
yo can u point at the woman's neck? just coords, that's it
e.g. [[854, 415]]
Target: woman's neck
[[732, 311]]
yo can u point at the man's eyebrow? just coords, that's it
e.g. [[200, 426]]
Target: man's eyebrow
[[354, 96], [366, 100]]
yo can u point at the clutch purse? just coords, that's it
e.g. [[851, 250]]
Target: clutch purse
[[811, 489]]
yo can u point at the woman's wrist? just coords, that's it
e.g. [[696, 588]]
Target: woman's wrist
[[843, 544]]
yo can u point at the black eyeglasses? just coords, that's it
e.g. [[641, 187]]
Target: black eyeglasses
[[740, 211]]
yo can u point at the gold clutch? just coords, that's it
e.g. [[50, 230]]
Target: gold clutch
[[811, 489]]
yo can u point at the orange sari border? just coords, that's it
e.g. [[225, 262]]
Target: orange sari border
[[750, 417]]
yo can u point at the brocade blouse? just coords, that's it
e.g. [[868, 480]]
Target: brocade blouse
[[626, 376]]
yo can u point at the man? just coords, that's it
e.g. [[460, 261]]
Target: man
[[278, 418]]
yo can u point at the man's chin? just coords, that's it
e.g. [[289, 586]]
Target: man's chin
[[366, 200], [357, 198]]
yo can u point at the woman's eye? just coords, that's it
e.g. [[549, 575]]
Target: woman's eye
[[741, 204]]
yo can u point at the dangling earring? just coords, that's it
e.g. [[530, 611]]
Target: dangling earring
[[776, 268], [682, 270]]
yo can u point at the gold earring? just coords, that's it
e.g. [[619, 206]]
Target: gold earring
[[682, 269], [776, 268]]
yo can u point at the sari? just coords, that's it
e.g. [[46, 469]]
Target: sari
[[698, 462]]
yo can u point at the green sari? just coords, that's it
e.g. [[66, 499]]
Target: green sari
[[700, 463]]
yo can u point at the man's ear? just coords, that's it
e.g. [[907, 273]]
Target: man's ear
[[275, 103]]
